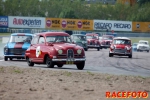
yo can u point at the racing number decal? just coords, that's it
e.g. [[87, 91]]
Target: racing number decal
[[38, 51]]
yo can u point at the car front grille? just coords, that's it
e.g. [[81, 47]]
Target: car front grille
[[120, 50], [70, 54], [16, 51]]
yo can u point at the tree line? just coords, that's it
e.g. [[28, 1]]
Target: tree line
[[76, 9]]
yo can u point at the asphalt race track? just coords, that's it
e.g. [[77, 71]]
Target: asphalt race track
[[100, 62]]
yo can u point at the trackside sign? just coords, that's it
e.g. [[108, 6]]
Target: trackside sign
[[26, 22], [3, 21], [112, 25]]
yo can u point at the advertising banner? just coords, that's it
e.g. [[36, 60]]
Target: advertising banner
[[141, 26], [69, 24], [53, 23], [85, 25], [3, 21], [26, 22], [112, 25]]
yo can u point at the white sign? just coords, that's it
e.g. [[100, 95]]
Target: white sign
[[26, 22], [112, 25]]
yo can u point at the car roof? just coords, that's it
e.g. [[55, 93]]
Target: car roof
[[125, 38], [53, 34], [89, 34], [21, 34], [79, 34], [143, 41]]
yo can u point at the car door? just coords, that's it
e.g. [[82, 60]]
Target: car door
[[33, 47], [38, 51]]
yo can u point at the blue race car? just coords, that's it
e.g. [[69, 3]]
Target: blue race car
[[134, 46], [17, 45]]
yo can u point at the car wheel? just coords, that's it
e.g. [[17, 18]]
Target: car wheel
[[80, 66], [147, 50], [29, 62], [86, 49], [130, 56], [5, 58], [49, 62], [110, 55], [59, 65], [10, 58]]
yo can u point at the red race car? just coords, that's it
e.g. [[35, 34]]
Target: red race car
[[55, 48], [106, 41], [121, 46], [93, 41]]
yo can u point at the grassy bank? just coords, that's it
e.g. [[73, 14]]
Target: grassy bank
[[5, 34], [136, 39]]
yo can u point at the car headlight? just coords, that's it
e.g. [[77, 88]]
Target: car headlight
[[79, 51], [112, 47], [60, 51], [128, 48]]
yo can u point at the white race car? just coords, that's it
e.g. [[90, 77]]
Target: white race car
[[143, 45]]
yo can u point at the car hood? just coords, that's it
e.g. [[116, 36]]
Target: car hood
[[66, 46], [120, 46], [143, 45], [24, 45], [91, 40], [106, 40]]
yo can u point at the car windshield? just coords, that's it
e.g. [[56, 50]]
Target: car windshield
[[135, 44], [92, 37], [53, 39], [79, 37], [143, 43], [20, 38], [107, 38], [121, 41]]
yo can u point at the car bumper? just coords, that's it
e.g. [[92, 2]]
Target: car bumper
[[15, 56], [105, 46], [118, 53], [93, 46], [75, 59]]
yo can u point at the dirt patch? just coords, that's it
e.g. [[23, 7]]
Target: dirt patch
[[37, 84]]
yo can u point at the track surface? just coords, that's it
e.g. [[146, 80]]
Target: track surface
[[99, 61]]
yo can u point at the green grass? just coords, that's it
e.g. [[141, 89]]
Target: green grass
[[5, 34], [136, 39]]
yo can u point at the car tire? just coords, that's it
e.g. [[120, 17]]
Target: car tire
[[110, 55], [49, 62], [130, 56], [11, 59], [59, 65], [5, 58], [147, 50], [29, 62], [86, 49], [80, 66]]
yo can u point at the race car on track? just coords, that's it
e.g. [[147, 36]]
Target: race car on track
[[80, 40], [134, 46], [106, 41], [93, 41], [55, 48], [17, 45], [143, 45], [121, 46]]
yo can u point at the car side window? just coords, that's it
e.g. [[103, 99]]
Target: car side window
[[41, 40], [35, 40]]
